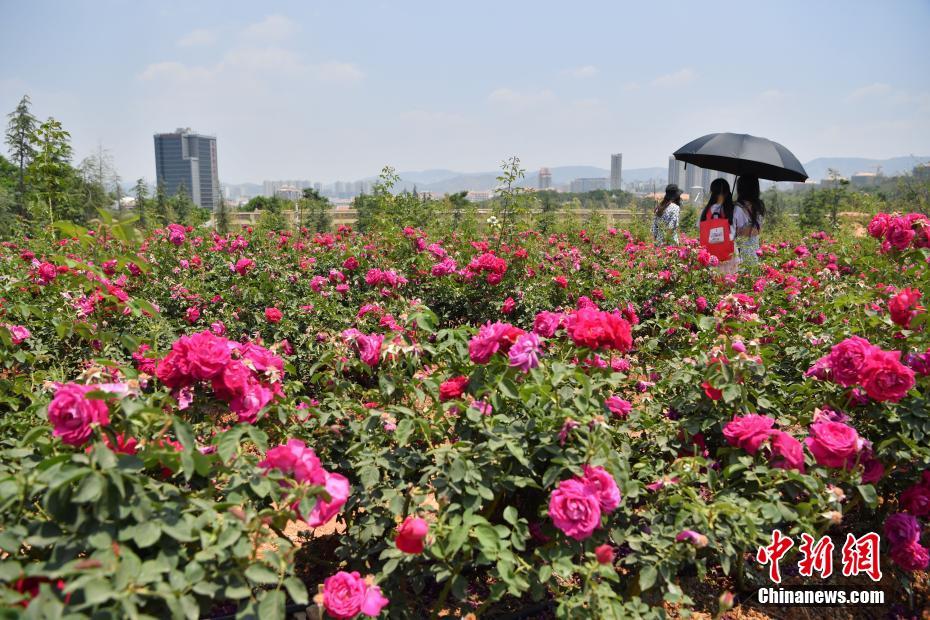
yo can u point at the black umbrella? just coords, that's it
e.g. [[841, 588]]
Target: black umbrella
[[742, 154]]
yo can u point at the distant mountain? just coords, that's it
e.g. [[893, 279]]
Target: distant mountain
[[443, 181], [447, 181], [847, 166]]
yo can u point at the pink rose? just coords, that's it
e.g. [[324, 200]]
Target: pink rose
[[172, 370], [491, 338], [47, 273], [207, 355], [878, 225], [337, 486], [243, 266], [73, 415], [574, 508], [18, 333], [369, 348], [848, 359], [885, 378], [176, 234], [232, 381], [374, 601], [524, 354], [618, 406], [832, 443], [748, 432], [608, 495], [547, 323], [786, 452], [410, 535], [250, 401], [344, 594], [294, 459]]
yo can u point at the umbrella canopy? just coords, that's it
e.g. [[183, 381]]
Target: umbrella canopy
[[742, 154]]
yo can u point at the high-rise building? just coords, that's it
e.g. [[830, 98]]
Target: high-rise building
[[693, 176], [545, 178], [676, 172], [581, 186], [616, 170], [188, 159]]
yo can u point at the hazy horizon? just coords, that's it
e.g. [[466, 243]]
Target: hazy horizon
[[329, 92]]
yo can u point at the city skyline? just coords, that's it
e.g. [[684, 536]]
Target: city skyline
[[289, 96]]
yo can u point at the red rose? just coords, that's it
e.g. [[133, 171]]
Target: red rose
[[905, 306], [273, 315], [899, 233], [916, 500], [604, 554], [596, 329], [452, 388], [910, 556], [712, 392]]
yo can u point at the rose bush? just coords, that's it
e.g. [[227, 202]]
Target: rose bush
[[577, 420]]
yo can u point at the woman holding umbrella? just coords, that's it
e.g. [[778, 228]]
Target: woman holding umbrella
[[666, 215], [748, 200], [720, 205]]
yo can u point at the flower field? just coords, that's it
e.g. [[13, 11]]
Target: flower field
[[402, 424]]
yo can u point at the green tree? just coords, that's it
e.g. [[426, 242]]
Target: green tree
[[141, 193], [50, 174], [163, 211], [813, 210], [20, 136], [513, 201], [221, 216], [181, 203], [314, 210]]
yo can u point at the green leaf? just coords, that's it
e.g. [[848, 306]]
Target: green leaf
[[259, 573], [508, 388], [146, 534], [184, 433], [271, 605], [487, 537], [297, 590], [647, 577], [867, 491], [90, 489]]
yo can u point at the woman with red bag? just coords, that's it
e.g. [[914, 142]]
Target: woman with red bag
[[720, 222]]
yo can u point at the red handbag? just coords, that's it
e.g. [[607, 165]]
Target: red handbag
[[715, 237]]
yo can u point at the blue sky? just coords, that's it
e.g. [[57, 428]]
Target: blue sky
[[335, 90]]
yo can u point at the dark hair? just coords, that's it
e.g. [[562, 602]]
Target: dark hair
[[717, 188], [672, 194], [747, 192]]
